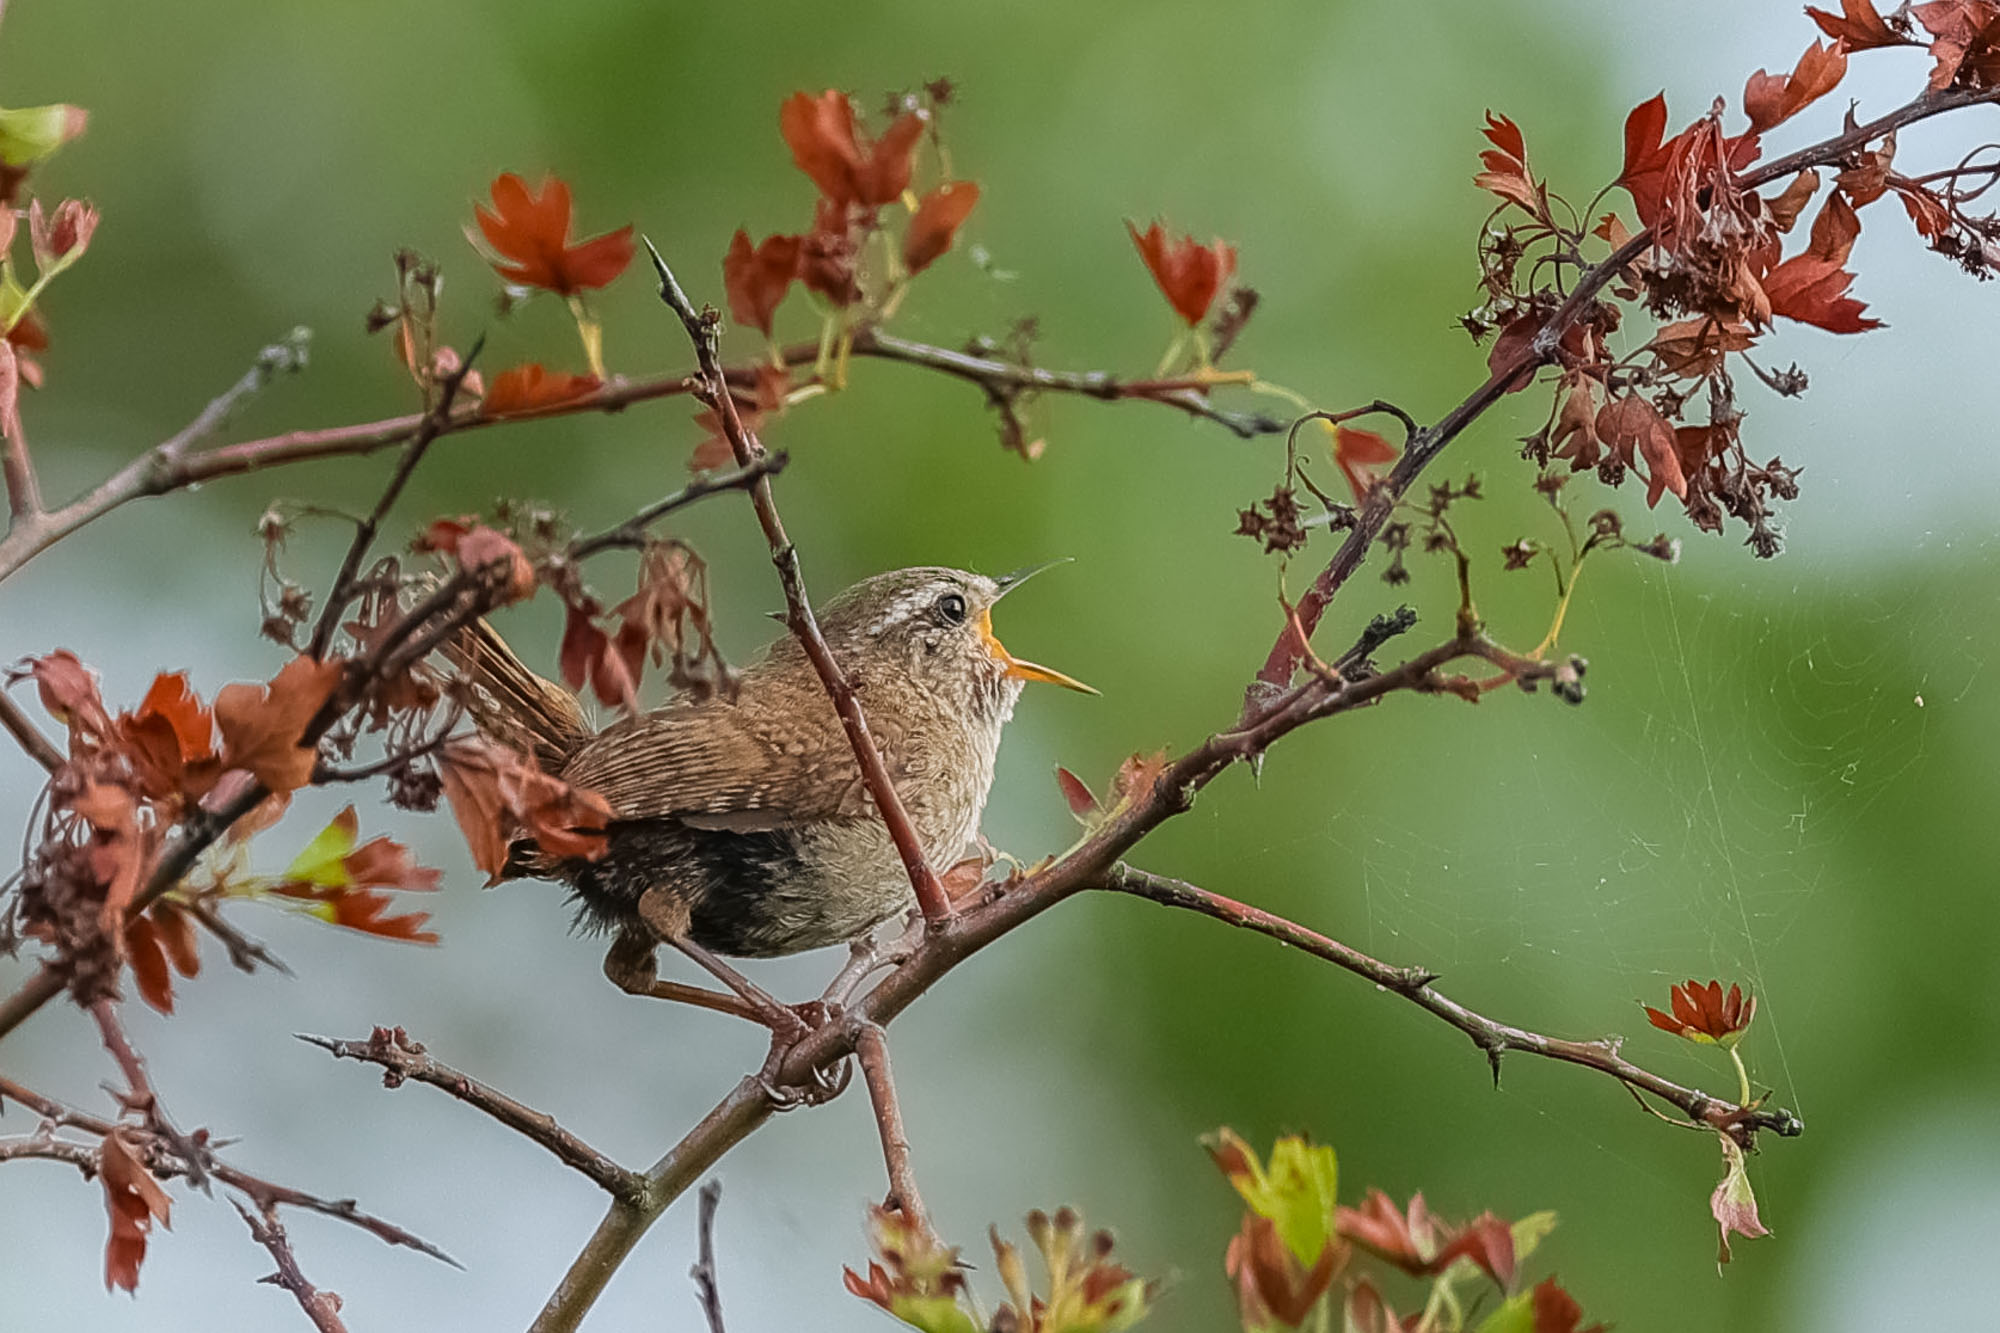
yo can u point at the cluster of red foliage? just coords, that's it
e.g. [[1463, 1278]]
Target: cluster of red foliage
[[1713, 271], [857, 174]]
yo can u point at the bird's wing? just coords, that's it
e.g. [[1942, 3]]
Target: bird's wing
[[715, 765]]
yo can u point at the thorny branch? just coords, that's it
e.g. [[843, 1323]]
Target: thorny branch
[[871, 1048], [1092, 864], [1428, 443], [1495, 1038], [713, 390], [175, 464], [322, 1307], [161, 1161], [406, 1059]]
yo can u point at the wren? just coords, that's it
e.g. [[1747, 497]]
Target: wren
[[742, 825]]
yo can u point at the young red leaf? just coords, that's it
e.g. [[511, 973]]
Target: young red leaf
[[1488, 1241], [937, 220], [149, 964], [1858, 26], [529, 233], [1734, 1203], [1189, 274], [529, 388], [1646, 157], [1077, 795], [1270, 1281], [1772, 99], [1704, 1014], [262, 725], [1811, 287], [1408, 1239], [842, 162], [170, 740], [69, 692], [135, 1201], [1358, 453], [1506, 165], [1556, 1311], [756, 278]]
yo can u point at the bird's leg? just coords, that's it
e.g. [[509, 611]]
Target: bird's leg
[[631, 966], [667, 917]]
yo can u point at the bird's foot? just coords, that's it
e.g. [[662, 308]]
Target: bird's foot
[[824, 1083]]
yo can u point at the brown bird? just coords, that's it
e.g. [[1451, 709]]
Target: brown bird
[[742, 825]]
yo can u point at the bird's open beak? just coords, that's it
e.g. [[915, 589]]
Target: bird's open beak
[[1020, 668]]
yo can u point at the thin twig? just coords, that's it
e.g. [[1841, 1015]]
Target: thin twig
[[703, 1272], [434, 422], [1414, 984], [701, 331], [264, 1193], [871, 1048], [286, 357], [632, 532], [406, 1059], [24, 491], [23, 729], [322, 1307], [140, 1095]]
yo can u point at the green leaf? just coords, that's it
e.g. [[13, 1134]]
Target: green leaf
[[1515, 1315], [30, 134], [323, 862], [1530, 1231], [1296, 1191]]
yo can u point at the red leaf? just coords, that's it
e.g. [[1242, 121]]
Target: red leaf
[[1188, 273], [846, 167], [1645, 174], [484, 547], [1137, 776], [149, 964], [1407, 1239], [938, 218], [529, 388], [1077, 795], [170, 740], [69, 228], [69, 692], [496, 793], [1358, 453], [262, 725], [1966, 49], [1506, 171], [1772, 99], [757, 278], [1489, 1243], [1812, 287], [1858, 25], [1556, 1311], [530, 233], [134, 1199], [1702, 1013]]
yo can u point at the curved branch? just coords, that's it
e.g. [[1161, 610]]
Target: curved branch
[[1489, 1035], [405, 1059]]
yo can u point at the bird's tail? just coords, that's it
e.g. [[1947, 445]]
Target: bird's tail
[[511, 703]]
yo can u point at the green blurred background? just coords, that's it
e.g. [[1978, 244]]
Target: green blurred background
[[1784, 773]]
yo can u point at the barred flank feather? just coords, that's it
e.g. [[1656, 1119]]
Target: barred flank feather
[[512, 704]]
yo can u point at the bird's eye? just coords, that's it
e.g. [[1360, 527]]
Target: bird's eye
[[951, 609]]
